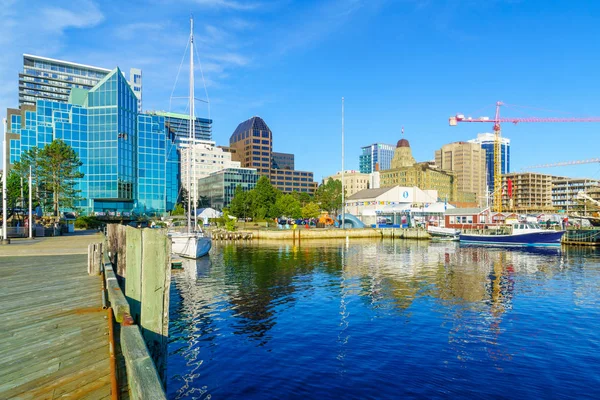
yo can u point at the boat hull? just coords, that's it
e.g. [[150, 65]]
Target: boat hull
[[190, 245], [546, 238]]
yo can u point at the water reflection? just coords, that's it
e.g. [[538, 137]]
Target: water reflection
[[355, 303]]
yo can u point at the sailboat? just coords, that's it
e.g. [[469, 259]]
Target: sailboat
[[191, 243]]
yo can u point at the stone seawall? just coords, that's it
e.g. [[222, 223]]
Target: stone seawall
[[308, 234]]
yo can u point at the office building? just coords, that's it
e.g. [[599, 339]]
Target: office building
[[179, 126], [126, 156], [354, 181], [565, 190], [252, 144], [468, 163], [218, 189], [377, 154], [405, 171], [50, 79], [530, 191], [207, 157], [486, 141]]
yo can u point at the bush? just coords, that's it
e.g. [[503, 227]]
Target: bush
[[87, 222]]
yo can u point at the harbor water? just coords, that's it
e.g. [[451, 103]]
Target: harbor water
[[385, 319]]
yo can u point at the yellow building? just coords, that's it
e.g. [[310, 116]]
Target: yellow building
[[405, 171], [354, 181], [468, 163]]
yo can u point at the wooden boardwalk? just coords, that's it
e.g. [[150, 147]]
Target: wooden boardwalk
[[54, 339]]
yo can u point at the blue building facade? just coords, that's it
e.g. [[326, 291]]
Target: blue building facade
[[377, 154], [124, 154], [486, 141], [179, 126]]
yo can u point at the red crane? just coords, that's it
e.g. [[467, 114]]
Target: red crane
[[497, 134]]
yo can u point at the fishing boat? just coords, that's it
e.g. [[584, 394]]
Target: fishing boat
[[443, 234], [191, 242], [519, 234]]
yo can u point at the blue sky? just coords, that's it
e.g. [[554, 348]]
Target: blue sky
[[410, 63]]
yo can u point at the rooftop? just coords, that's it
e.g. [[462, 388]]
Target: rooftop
[[66, 63], [369, 193]]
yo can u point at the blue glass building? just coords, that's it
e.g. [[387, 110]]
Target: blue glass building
[[486, 141], [179, 126], [376, 154], [127, 157]]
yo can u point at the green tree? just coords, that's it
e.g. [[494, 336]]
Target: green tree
[[238, 205], [178, 210], [288, 206], [303, 197], [229, 222], [329, 196], [311, 210], [58, 170], [264, 199]]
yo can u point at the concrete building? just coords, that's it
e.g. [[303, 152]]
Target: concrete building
[[486, 141], [127, 157], [530, 191], [405, 171], [46, 78], [564, 192], [396, 205], [354, 181], [218, 189], [467, 161], [252, 144], [208, 158], [179, 126], [377, 156]]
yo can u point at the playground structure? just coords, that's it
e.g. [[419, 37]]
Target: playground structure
[[350, 221]]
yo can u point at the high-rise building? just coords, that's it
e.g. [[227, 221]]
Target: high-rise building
[[207, 157], [135, 80], [218, 189], [486, 141], [283, 160], [252, 144], [565, 190], [354, 181], [50, 79], [468, 163], [179, 125], [531, 191], [126, 156], [377, 154]]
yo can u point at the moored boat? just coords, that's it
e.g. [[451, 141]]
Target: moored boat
[[439, 233], [519, 234]]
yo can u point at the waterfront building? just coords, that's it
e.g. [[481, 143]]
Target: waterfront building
[[564, 192], [530, 191], [467, 218], [377, 156], [135, 80], [179, 126], [252, 144], [354, 181], [468, 163], [126, 156], [405, 171], [46, 78], [486, 141], [207, 157], [393, 203], [218, 188]]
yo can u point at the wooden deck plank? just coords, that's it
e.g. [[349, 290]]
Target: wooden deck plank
[[53, 332]]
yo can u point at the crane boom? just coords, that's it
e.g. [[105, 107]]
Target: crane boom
[[497, 120], [563, 164]]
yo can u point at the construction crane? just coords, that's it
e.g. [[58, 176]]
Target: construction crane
[[497, 120], [563, 164]]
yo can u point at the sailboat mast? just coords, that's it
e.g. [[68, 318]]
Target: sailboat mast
[[193, 121]]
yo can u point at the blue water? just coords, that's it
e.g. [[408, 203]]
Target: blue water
[[377, 320]]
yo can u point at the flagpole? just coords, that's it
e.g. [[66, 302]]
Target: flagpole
[[30, 207], [5, 239], [343, 197]]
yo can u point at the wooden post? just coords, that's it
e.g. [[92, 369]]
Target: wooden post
[[133, 283], [156, 279], [94, 258]]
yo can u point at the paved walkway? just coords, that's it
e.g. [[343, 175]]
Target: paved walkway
[[53, 331]]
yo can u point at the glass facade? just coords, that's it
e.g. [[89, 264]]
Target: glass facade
[[179, 126], [219, 187], [489, 161], [376, 154], [123, 153]]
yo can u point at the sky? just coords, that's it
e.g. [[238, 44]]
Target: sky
[[397, 63]]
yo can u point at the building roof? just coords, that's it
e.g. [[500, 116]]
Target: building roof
[[369, 193], [465, 211], [251, 124], [402, 143], [91, 67], [177, 115]]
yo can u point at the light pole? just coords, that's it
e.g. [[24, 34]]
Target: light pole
[[343, 194], [30, 206], [5, 239]]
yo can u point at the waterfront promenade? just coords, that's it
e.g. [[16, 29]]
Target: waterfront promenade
[[54, 336]]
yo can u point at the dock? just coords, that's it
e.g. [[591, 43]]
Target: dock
[[54, 335]]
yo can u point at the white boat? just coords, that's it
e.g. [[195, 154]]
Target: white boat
[[520, 234], [191, 243], [439, 233]]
